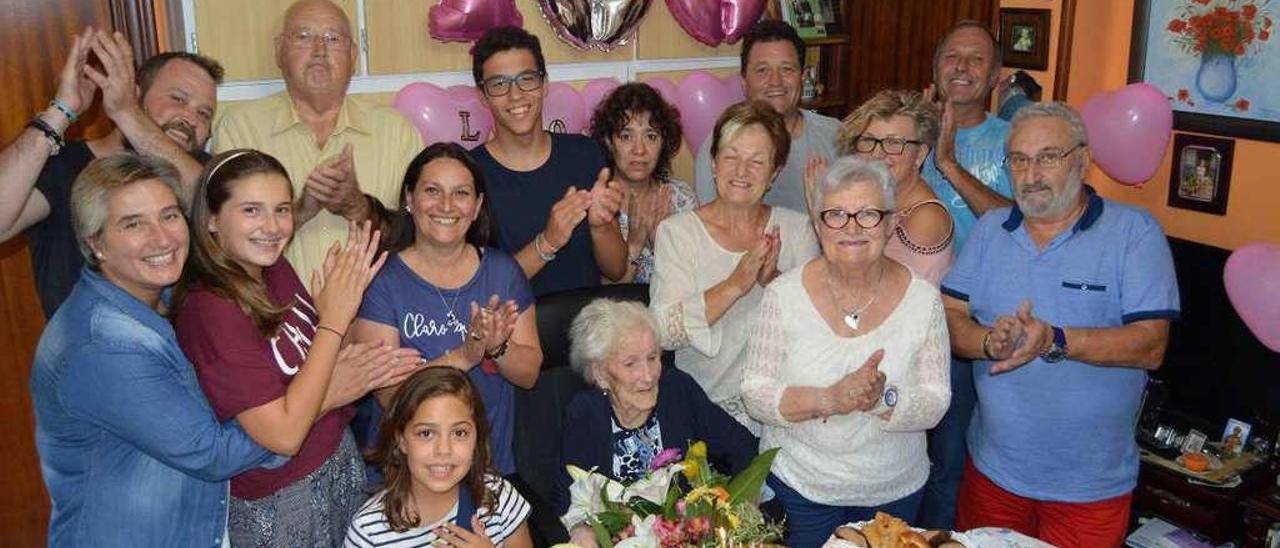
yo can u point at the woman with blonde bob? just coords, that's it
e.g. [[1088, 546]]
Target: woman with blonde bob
[[898, 128]]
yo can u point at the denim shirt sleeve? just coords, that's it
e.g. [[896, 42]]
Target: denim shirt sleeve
[[134, 394]]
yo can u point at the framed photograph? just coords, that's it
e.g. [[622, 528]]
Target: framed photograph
[[1194, 442], [1201, 173], [805, 16], [1234, 436], [1216, 60], [1024, 38]]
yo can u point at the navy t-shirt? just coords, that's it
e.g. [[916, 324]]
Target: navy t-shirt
[[434, 320], [55, 256], [520, 203]]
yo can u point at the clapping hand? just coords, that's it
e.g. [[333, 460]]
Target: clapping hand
[[491, 326], [339, 288], [644, 212], [75, 87], [334, 185], [861, 389], [769, 268], [1028, 335], [119, 93], [364, 367], [565, 216], [813, 173], [606, 199], [458, 537]]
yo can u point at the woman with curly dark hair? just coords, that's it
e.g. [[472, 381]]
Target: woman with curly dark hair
[[640, 133]]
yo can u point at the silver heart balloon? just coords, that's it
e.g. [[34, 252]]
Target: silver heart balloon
[[594, 24]]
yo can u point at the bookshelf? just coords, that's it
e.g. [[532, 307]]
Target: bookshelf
[[827, 48]]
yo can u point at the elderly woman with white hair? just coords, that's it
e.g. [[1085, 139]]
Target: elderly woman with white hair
[[847, 365], [634, 408]]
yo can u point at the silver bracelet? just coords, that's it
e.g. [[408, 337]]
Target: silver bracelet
[[537, 248]]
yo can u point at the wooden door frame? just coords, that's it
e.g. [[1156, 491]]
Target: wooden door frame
[[137, 20], [1062, 67]]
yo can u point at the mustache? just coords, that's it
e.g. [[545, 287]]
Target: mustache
[[181, 126], [1037, 186]]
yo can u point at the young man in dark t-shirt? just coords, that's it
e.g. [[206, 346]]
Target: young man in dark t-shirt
[[553, 204]]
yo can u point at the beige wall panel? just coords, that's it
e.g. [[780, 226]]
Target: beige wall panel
[[238, 33], [399, 42], [660, 37]]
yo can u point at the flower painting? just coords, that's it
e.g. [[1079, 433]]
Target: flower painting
[[1213, 59]]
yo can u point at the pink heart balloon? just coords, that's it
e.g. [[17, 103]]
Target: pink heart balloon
[[595, 91], [562, 110], [701, 99], [455, 114], [1128, 131], [666, 88], [467, 20], [1252, 277], [715, 21]]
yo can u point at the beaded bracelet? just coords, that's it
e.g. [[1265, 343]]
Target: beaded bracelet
[[537, 248], [50, 134], [66, 110]]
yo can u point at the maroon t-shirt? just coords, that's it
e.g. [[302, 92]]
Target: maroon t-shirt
[[239, 370]]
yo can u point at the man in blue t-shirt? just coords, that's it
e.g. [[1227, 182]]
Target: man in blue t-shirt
[[542, 186], [966, 171], [1064, 302]]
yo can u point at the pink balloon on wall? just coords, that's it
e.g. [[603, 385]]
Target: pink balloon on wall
[[467, 20], [714, 21], [454, 114], [701, 98], [1128, 131], [666, 88], [1252, 277], [562, 110], [595, 91]]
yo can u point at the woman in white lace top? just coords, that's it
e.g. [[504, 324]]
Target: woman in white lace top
[[847, 365], [711, 264]]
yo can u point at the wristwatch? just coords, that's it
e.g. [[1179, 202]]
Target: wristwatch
[[1057, 350]]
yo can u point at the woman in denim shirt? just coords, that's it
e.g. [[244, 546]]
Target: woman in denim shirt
[[131, 452]]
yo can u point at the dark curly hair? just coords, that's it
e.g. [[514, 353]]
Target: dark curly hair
[[613, 113]]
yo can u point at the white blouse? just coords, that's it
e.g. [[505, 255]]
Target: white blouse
[[688, 262], [857, 459]]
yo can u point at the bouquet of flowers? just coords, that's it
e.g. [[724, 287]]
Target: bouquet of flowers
[[710, 509], [1227, 27]]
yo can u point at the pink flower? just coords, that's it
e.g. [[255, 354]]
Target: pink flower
[[665, 457]]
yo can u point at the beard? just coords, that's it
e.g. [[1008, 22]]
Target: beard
[[186, 130], [1033, 203]]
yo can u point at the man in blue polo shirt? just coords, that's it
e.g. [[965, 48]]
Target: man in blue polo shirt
[[1064, 302]]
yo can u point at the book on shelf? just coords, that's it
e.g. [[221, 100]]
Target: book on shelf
[[805, 15]]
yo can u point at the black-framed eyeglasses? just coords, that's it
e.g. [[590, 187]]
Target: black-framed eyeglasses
[[867, 144], [867, 217], [497, 86], [1018, 161], [305, 38]]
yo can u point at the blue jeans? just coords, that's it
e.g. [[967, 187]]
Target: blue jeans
[[810, 524], [947, 451]]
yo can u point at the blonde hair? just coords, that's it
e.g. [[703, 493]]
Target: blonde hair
[[99, 180], [885, 105], [741, 115]]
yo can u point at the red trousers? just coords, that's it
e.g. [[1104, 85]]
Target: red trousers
[[1097, 524]]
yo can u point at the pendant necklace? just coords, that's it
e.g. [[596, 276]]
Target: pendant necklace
[[451, 320], [851, 317]]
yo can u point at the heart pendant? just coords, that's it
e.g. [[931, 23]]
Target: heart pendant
[[851, 320]]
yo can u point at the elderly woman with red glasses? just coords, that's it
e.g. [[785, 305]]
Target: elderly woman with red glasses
[[847, 365]]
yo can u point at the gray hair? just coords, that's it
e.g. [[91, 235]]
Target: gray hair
[[849, 171], [598, 327], [100, 179], [1052, 109]]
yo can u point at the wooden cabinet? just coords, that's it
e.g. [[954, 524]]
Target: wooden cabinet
[[1213, 512], [1260, 511]]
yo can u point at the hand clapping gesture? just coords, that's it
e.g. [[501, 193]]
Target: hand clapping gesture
[[458, 537], [565, 216], [606, 199], [759, 265], [75, 87], [491, 326], [859, 390], [347, 272], [333, 184], [1018, 339], [643, 215]]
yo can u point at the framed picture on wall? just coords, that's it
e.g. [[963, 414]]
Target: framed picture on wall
[[1024, 38], [1216, 60], [1201, 174]]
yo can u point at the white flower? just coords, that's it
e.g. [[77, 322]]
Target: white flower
[[584, 495], [644, 535], [653, 487]]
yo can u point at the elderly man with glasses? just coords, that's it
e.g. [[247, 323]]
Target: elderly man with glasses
[[1064, 302], [549, 193], [345, 158]]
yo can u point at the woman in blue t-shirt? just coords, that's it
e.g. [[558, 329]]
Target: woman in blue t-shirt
[[446, 295]]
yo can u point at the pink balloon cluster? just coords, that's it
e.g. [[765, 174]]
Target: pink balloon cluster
[[701, 97], [715, 21], [1252, 277], [467, 20], [454, 114], [1128, 131]]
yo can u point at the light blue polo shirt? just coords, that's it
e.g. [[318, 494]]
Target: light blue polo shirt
[[1063, 431], [980, 150]]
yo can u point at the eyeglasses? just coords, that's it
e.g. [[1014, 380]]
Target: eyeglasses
[[867, 217], [305, 38], [497, 86], [1018, 161], [890, 145]]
